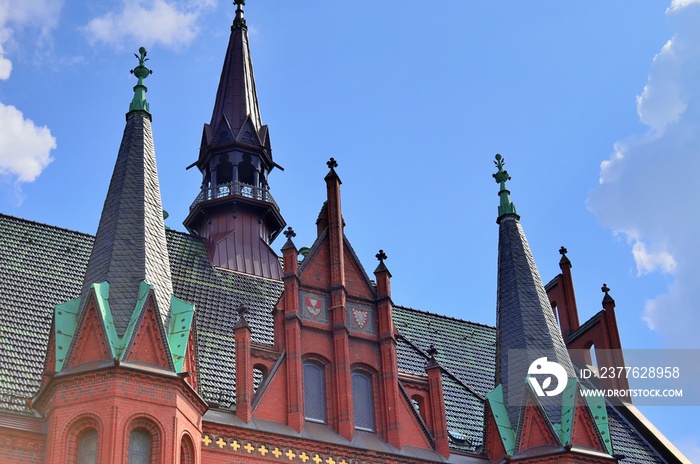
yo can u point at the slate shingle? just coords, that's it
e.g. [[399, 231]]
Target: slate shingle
[[41, 266]]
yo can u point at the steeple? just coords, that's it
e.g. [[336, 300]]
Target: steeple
[[538, 407], [234, 212], [130, 242], [527, 327], [236, 98]]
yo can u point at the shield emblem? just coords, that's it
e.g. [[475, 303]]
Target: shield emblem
[[361, 317], [313, 306]]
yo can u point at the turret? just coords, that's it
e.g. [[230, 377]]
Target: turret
[[234, 211]]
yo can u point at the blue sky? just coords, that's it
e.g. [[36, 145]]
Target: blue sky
[[595, 108]]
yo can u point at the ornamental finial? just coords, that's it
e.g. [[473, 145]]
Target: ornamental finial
[[605, 289], [289, 233], [332, 163], [381, 256], [139, 103], [563, 250], [506, 208], [239, 21]]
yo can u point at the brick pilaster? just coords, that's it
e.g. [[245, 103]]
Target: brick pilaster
[[244, 370], [390, 376], [437, 408]]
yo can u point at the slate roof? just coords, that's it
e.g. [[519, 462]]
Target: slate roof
[[130, 243], [527, 327], [47, 264]]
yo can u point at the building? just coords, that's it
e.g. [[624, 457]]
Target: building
[[144, 345]]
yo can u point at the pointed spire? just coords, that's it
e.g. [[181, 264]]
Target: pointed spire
[[130, 243], [139, 102], [527, 329], [236, 97], [506, 208]]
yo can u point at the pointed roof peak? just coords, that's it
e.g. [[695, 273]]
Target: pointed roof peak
[[236, 97], [139, 103], [506, 208], [130, 245]]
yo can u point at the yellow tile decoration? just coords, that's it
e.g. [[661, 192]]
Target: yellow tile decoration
[[263, 449]]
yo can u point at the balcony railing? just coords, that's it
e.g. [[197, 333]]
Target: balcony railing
[[234, 188]]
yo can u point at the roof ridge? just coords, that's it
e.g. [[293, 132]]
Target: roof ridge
[[444, 316], [49, 226]]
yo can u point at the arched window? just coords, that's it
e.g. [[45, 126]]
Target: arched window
[[314, 392], [186, 451], [363, 401], [87, 447], [139, 447]]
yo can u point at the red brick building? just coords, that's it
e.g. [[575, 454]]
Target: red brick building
[[145, 345]]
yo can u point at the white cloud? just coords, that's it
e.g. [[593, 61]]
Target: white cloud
[[25, 149], [651, 261], [20, 14], [678, 4], [647, 185], [148, 22]]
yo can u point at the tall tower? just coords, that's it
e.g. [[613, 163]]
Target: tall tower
[[234, 212]]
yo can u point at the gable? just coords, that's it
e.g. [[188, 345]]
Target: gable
[[39, 256]]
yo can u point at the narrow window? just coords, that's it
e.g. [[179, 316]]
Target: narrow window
[[363, 402], [314, 392], [87, 448], [139, 447], [186, 451]]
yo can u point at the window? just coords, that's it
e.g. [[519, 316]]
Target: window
[[87, 447], [139, 447], [186, 451], [363, 401], [314, 392]]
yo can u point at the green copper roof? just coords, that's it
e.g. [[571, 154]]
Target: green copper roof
[[506, 208], [567, 410], [66, 321], [139, 102], [67, 315], [181, 319], [598, 409], [500, 414]]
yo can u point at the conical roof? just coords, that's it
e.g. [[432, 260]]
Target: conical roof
[[527, 328], [130, 244]]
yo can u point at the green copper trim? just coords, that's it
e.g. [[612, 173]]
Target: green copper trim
[[567, 410], [67, 316], [181, 321], [65, 323], [506, 208], [139, 102], [599, 411], [500, 414]]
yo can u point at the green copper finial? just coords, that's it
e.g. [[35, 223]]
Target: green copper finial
[[506, 208], [139, 102], [239, 21]]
